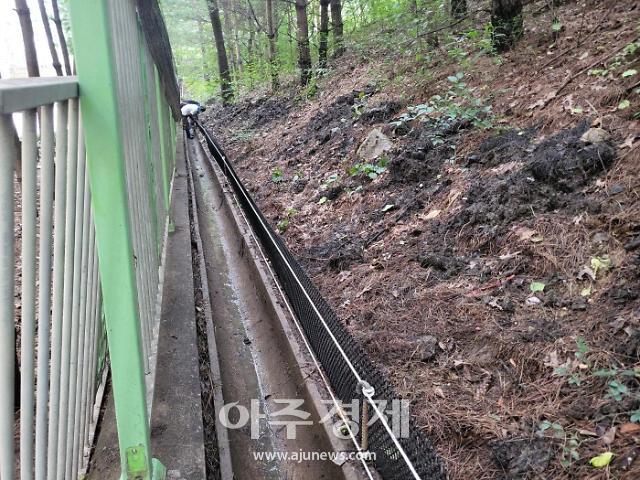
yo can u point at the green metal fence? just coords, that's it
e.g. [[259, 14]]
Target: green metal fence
[[82, 238]]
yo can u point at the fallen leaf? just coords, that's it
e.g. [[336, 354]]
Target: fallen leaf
[[433, 214], [588, 272], [631, 139], [609, 436], [388, 207], [537, 287], [601, 460], [494, 303], [524, 233], [552, 360], [629, 428], [586, 292]]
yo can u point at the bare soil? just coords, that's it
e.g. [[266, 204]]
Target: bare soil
[[431, 265]]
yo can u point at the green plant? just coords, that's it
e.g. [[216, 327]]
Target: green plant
[[277, 175], [333, 178], [283, 224], [457, 103], [581, 369], [243, 135], [370, 170], [570, 441]]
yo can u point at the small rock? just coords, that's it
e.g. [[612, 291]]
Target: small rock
[[427, 347], [616, 189], [624, 462], [324, 138], [297, 186], [633, 244], [374, 145], [521, 456], [533, 301], [335, 130], [578, 305], [595, 135], [600, 238]]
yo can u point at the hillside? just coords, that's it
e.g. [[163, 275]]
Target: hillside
[[483, 244]]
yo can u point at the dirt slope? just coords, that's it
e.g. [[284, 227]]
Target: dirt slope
[[492, 273]]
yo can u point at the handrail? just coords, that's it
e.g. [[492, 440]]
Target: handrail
[[18, 94]]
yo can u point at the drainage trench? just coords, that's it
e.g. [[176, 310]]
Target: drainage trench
[[212, 456], [258, 369]]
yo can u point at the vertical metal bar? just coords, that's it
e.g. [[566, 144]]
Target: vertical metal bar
[[7, 265], [150, 130], [92, 33], [44, 295], [69, 271], [82, 322], [88, 336], [28, 296], [75, 300], [163, 128], [61, 116]]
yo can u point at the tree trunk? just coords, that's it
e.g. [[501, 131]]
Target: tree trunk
[[236, 42], [206, 75], [273, 46], [61, 39], [30, 53], [458, 9], [337, 26], [223, 64], [507, 23], [304, 53], [227, 31], [47, 30], [323, 34]]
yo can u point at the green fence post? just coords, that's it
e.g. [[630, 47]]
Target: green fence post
[[94, 55]]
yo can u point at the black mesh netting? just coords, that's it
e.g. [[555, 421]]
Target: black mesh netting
[[303, 297]]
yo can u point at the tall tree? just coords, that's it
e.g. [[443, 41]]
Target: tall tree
[[507, 23], [61, 39], [304, 53], [337, 27], [30, 53], [272, 32], [47, 30], [458, 9], [223, 64], [323, 33]]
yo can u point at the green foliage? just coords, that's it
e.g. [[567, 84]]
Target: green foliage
[[570, 441], [277, 175], [283, 224], [617, 378], [243, 135], [370, 170], [457, 103]]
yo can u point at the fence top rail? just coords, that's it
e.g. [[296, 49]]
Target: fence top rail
[[20, 94]]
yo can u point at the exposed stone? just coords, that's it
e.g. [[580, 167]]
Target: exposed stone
[[595, 135], [374, 145]]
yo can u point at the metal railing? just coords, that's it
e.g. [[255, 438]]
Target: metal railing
[[82, 236]]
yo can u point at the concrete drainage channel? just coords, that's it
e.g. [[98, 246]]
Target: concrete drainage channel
[[251, 355]]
